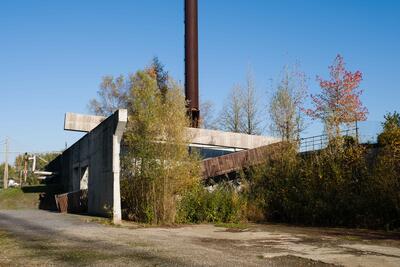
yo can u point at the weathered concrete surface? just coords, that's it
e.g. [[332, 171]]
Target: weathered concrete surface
[[96, 157], [93, 162], [85, 123], [228, 139], [81, 123], [37, 238]]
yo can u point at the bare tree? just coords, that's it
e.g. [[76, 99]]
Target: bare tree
[[208, 120], [241, 112], [231, 117], [112, 95], [250, 105], [286, 104]]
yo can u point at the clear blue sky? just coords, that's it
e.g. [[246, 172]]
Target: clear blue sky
[[54, 53]]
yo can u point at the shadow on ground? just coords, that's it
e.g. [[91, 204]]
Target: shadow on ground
[[42, 243]]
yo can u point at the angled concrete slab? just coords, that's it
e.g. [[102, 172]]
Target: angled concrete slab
[[228, 139], [81, 123]]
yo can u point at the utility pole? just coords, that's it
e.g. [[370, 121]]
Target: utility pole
[[25, 167], [5, 177], [19, 169]]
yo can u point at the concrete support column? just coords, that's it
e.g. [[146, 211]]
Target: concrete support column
[[116, 181], [122, 115]]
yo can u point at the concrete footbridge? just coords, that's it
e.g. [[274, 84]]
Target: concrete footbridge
[[93, 162]]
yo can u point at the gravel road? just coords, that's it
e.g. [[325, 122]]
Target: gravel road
[[38, 238]]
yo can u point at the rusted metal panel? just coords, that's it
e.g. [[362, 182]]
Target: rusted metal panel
[[236, 161], [192, 61], [62, 202], [72, 202]]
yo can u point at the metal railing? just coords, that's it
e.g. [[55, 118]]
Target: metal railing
[[318, 142]]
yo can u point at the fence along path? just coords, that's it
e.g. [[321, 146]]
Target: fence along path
[[318, 142]]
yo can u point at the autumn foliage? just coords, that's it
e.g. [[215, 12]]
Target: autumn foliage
[[339, 101]]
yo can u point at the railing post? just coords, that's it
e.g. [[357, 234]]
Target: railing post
[[321, 141], [357, 132], [313, 143]]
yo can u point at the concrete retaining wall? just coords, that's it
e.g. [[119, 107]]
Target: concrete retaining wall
[[93, 162]]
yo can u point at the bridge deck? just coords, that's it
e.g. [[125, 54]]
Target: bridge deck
[[237, 161]]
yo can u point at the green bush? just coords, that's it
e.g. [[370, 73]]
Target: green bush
[[386, 178], [223, 205], [156, 164], [343, 185]]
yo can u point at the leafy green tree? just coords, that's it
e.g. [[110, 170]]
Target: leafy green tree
[[391, 130], [157, 166], [161, 75], [392, 121], [116, 92], [386, 173]]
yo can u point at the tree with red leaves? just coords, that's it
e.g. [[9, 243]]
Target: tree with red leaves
[[339, 102]]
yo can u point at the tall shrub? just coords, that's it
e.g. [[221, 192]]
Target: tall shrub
[[157, 165], [387, 173], [222, 205], [321, 188]]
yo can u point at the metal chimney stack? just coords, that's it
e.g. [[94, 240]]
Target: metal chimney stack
[[192, 62]]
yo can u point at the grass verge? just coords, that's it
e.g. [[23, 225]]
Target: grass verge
[[15, 198]]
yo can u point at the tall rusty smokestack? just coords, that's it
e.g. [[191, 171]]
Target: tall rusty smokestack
[[192, 61]]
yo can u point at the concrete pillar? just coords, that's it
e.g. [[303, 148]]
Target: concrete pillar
[[116, 186], [117, 137]]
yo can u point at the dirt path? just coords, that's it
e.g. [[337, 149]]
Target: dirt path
[[34, 237]]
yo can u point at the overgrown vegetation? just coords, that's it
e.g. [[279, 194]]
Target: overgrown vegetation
[[160, 179], [157, 167], [221, 205], [346, 184]]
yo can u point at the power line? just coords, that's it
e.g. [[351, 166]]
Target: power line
[[33, 152]]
